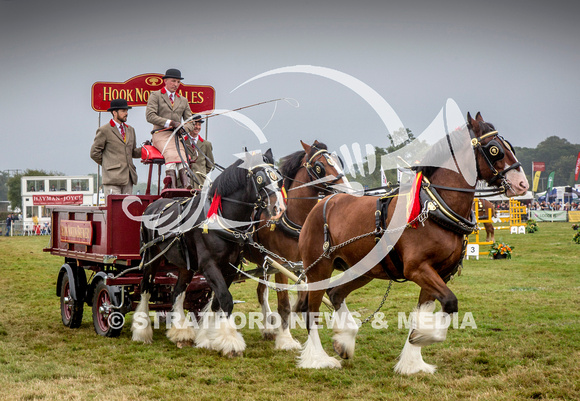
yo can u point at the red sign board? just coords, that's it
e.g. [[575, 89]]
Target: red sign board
[[538, 166], [76, 199], [76, 232], [577, 169], [136, 91]]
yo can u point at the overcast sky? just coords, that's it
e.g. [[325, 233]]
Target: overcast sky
[[515, 61]]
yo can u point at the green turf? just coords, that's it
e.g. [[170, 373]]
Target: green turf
[[526, 344]]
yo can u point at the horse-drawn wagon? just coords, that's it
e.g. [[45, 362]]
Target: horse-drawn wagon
[[100, 246]]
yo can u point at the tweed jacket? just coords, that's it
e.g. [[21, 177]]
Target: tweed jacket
[[159, 110], [114, 155], [197, 160]]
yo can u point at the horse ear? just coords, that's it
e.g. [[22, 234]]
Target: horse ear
[[478, 117], [268, 156], [306, 147], [470, 120]]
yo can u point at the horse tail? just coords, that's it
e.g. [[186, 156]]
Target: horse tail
[[145, 235], [143, 241]]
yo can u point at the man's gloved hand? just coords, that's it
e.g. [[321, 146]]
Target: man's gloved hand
[[174, 124]]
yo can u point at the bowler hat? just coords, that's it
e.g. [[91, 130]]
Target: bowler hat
[[117, 104], [173, 73], [196, 118]]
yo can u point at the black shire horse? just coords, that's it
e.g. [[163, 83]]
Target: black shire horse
[[179, 232]]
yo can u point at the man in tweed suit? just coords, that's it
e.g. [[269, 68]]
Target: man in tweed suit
[[166, 109], [200, 153], [114, 148]]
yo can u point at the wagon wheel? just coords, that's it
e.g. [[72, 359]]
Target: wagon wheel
[[107, 321], [71, 311]]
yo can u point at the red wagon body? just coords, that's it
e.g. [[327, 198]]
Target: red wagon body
[[104, 241]]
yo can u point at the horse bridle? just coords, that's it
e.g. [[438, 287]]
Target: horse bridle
[[261, 181], [316, 170], [492, 152]]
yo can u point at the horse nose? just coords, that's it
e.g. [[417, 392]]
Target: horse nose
[[521, 186], [281, 210], [278, 215], [279, 207], [524, 184]]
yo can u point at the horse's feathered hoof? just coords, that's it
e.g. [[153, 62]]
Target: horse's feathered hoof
[[269, 335], [341, 350], [235, 354], [184, 343]]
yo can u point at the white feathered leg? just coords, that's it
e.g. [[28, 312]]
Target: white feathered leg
[[226, 338], [345, 330], [141, 326], [285, 341], [181, 333], [268, 332], [313, 355], [426, 328], [206, 327]]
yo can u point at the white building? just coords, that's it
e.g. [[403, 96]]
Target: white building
[[42, 192]]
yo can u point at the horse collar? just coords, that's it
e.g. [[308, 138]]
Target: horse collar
[[288, 227], [442, 214]]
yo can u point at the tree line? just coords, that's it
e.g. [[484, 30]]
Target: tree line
[[558, 154]]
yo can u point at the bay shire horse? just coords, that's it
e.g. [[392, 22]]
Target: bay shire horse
[[486, 211], [299, 170], [208, 245], [427, 255]]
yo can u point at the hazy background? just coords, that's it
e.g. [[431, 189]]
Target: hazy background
[[515, 61]]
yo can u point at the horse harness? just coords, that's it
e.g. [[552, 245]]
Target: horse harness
[[266, 176], [175, 236], [260, 180], [316, 170], [492, 152], [434, 207]]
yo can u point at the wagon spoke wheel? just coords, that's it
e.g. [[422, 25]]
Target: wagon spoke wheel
[[108, 321], [71, 311]]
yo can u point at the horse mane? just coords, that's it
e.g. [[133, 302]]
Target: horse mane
[[230, 179], [429, 163], [289, 165]]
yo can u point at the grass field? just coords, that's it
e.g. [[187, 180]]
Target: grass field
[[526, 344]]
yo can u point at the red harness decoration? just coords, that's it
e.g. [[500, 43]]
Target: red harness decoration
[[414, 205], [216, 205]]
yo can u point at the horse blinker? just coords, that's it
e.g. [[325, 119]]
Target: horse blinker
[[494, 151]]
